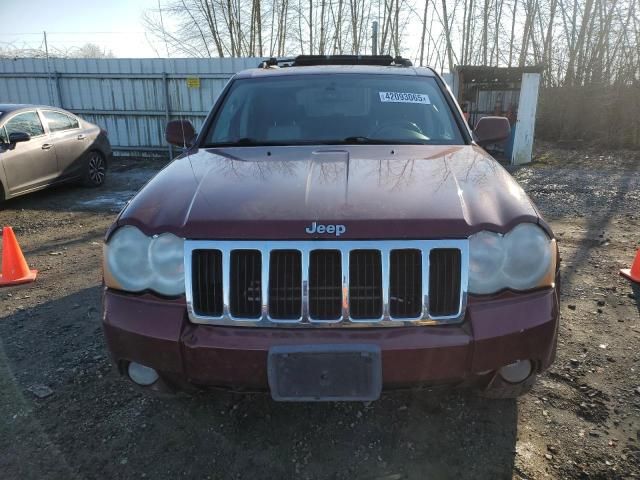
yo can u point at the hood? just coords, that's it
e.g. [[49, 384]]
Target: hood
[[401, 192]]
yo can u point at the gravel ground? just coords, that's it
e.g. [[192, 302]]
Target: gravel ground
[[64, 412]]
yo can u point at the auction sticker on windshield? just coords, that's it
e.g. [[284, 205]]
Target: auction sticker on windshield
[[400, 97]]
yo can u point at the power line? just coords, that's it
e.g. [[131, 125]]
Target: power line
[[71, 33]]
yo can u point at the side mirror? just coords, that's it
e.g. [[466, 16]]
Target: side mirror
[[180, 133], [491, 130], [17, 137]]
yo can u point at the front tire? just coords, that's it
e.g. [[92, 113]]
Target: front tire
[[500, 388], [95, 170]]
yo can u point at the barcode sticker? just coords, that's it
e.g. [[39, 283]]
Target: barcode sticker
[[400, 97]]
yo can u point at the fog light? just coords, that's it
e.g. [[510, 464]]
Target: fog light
[[516, 372], [142, 375]]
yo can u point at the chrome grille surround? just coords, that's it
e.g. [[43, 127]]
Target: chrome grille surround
[[344, 246]]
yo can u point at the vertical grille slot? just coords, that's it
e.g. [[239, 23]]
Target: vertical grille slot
[[245, 293], [405, 281], [285, 285], [325, 285], [206, 267], [444, 281], [365, 284]]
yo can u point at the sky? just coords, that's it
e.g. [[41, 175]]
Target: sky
[[112, 24]]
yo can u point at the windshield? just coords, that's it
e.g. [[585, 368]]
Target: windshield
[[334, 109]]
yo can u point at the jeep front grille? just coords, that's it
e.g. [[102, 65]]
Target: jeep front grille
[[285, 285], [207, 282], [326, 283], [365, 284], [405, 297], [444, 280], [246, 291]]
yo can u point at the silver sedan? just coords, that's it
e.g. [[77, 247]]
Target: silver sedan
[[42, 146]]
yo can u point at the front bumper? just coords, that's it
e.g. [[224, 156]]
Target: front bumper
[[495, 332]]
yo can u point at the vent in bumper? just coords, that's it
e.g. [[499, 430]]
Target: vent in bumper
[[331, 283]]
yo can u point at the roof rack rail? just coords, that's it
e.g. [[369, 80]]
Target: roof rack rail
[[382, 60], [274, 62], [313, 60]]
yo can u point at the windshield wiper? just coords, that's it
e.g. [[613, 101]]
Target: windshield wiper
[[363, 140], [353, 140], [378, 141], [241, 142]]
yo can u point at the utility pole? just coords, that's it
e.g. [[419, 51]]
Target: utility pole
[[164, 33], [46, 52], [374, 38]]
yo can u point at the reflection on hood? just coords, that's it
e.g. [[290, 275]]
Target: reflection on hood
[[380, 191]]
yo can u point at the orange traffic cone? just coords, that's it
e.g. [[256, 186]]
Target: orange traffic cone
[[14, 267], [633, 273]]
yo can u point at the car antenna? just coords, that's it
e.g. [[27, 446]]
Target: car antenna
[[184, 137]]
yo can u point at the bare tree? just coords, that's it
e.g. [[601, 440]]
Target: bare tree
[[88, 50], [578, 41], [424, 32], [447, 34]]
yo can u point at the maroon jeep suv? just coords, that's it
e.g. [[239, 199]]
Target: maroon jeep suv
[[333, 230]]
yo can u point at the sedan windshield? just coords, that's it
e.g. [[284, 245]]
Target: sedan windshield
[[334, 109]]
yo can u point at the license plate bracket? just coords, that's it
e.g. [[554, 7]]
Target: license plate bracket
[[325, 373]]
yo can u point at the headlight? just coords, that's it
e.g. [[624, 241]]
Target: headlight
[[135, 262], [522, 259], [486, 257]]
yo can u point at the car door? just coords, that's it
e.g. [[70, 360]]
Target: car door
[[32, 164], [70, 140]]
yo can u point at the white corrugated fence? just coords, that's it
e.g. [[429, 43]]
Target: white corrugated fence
[[131, 98]]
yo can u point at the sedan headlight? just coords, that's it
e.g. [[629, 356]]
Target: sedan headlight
[[135, 262], [522, 259]]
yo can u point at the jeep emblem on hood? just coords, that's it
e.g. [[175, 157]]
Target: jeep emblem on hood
[[315, 227]]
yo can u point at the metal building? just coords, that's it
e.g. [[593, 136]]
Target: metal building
[[509, 92]]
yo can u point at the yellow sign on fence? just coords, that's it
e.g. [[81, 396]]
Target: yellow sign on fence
[[193, 82]]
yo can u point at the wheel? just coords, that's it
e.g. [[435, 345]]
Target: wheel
[[4, 196], [401, 129], [499, 388], [95, 170]]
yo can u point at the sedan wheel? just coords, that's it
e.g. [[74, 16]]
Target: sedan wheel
[[96, 170]]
